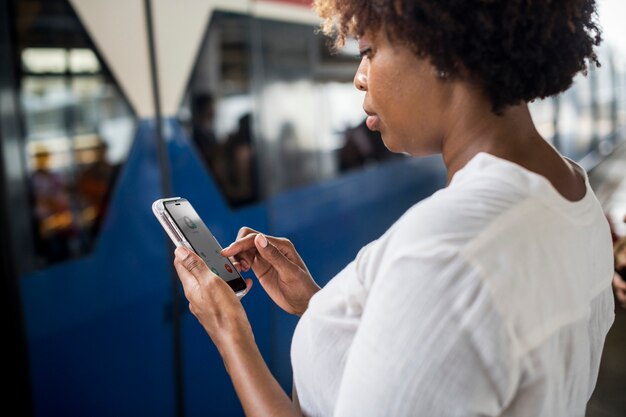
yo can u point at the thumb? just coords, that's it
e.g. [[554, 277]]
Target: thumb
[[272, 255], [191, 262]]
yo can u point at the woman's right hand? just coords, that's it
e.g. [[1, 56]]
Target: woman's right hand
[[277, 265], [619, 288]]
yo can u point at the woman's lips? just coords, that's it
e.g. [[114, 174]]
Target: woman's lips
[[372, 122]]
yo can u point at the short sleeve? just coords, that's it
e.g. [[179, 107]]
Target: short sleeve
[[429, 344]]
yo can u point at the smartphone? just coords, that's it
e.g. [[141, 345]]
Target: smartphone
[[185, 227]]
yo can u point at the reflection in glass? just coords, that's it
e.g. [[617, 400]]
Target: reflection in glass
[[362, 147]]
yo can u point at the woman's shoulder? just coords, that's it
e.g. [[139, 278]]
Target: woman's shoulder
[[462, 209], [485, 192], [434, 232]]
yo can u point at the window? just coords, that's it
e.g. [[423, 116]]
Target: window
[[218, 108], [77, 126], [311, 122], [270, 108]]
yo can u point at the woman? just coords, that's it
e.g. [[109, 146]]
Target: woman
[[493, 296]]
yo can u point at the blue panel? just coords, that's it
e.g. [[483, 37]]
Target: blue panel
[[98, 339]]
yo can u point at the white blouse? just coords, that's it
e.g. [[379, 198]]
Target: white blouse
[[492, 297]]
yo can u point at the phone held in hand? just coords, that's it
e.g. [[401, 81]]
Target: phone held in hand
[[185, 227]]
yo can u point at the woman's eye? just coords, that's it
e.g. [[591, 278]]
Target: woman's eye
[[365, 52]]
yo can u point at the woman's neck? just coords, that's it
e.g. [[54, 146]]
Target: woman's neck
[[511, 136], [474, 128]]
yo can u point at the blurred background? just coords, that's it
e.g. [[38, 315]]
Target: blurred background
[[238, 106]]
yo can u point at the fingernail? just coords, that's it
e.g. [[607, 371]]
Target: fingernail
[[262, 240], [181, 253], [244, 264]]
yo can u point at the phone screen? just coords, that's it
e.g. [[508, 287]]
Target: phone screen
[[203, 242]]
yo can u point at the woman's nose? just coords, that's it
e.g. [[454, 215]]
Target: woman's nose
[[360, 79]]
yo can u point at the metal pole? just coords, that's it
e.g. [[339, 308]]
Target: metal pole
[[166, 188]]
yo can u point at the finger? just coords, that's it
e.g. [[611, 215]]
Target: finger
[[235, 263], [187, 260], [244, 231], [240, 264], [242, 251], [240, 245], [273, 256], [187, 278], [244, 259], [287, 249], [192, 262]]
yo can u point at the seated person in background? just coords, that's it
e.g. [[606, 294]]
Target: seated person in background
[[93, 185], [202, 115], [362, 146], [239, 170], [50, 193]]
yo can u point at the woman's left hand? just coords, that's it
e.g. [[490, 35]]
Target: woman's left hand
[[212, 301], [221, 314]]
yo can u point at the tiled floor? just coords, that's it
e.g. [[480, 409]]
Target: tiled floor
[[609, 398]]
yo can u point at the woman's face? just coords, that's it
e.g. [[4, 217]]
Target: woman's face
[[405, 98]]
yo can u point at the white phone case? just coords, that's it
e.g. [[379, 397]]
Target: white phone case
[[158, 208], [172, 230]]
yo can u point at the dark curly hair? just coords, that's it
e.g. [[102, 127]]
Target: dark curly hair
[[516, 50]]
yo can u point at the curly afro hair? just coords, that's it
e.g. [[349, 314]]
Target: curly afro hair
[[516, 50]]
